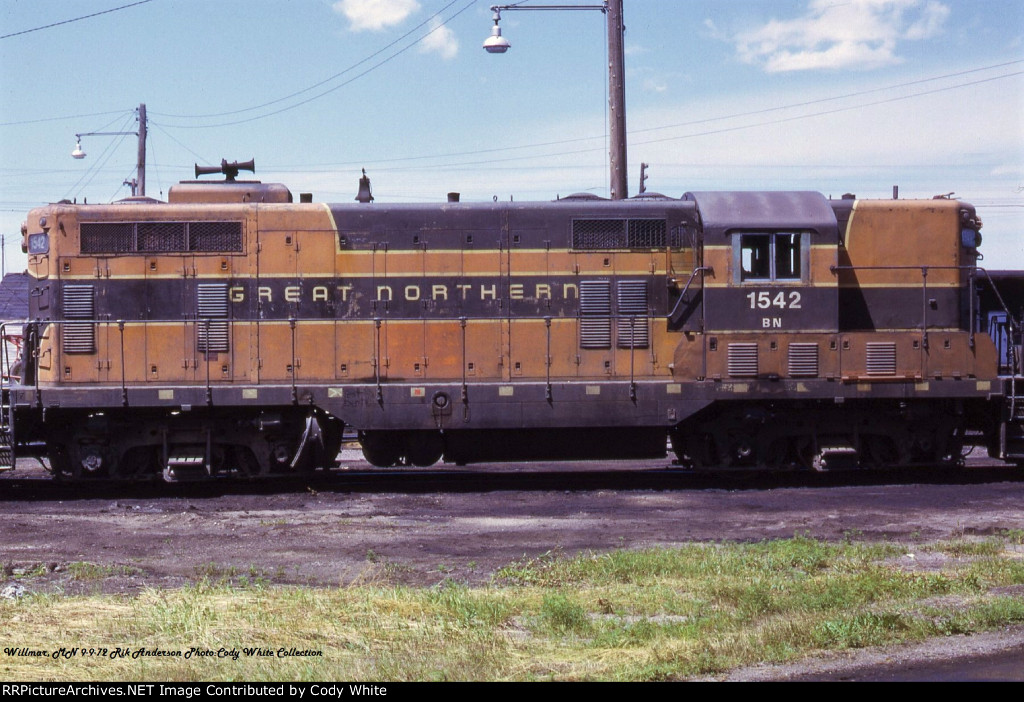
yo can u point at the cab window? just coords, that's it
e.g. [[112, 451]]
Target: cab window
[[766, 257]]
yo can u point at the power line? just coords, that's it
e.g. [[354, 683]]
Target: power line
[[107, 152], [709, 132], [324, 81], [830, 112], [171, 137], [60, 119], [76, 19], [330, 90], [833, 99], [722, 130], [708, 120]]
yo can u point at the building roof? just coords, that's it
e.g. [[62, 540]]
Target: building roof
[[14, 296]]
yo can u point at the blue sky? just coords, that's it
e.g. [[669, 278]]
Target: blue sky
[[829, 95]]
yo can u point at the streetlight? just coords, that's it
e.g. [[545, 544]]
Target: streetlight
[[78, 153], [497, 44]]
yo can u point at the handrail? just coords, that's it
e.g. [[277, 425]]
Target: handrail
[[682, 295], [7, 446], [924, 274], [1013, 325], [5, 368]]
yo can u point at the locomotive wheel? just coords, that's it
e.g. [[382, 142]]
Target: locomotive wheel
[[879, 452], [247, 464], [741, 451], [804, 452], [953, 451], [696, 450], [332, 433], [424, 448], [60, 462], [380, 449], [138, 462], [778, 455]]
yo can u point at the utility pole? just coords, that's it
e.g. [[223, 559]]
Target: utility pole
[[140, 162], [497, 44], [617, 100]]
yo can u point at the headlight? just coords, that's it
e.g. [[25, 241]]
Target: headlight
[[970, 238]]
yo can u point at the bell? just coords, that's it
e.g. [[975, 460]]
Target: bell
[[364, 189]]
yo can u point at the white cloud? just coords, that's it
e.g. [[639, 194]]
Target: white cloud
[[856, 34], [440, 40], [654, 85], [374, 14], [712, 30], [929, 24]]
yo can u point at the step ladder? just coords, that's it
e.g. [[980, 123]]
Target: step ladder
[[185, 465], [6, 430], [1011, 432], [7, 457]]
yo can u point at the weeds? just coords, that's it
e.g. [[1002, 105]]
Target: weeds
[[561, 613], [655, 614], [82, 570]]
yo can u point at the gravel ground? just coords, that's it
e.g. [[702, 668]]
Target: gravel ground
[[355, 528]]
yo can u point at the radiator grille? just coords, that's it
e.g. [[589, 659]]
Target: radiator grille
[[632, 299], [159, 237], [215, 236], [212, 324], [598, 233], [619, 233], [743, 360], [595, 314], [647, 234], [803, 360], [107, 237], [78, 337], [881, 358]]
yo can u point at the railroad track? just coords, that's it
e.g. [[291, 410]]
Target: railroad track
[[611, 475]]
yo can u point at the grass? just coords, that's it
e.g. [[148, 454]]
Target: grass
[[655, 614], [85, 571]]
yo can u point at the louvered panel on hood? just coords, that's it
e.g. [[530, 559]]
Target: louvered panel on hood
[[803, 360], [79, 302], [632, 325], [595, 314], [743, 360], [212, 312]]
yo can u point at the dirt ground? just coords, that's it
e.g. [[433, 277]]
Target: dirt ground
[[358, 528]]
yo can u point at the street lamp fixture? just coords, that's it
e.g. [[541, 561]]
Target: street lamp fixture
[[497, 44], [140, 180]]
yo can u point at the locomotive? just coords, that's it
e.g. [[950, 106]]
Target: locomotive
[[231, 331]]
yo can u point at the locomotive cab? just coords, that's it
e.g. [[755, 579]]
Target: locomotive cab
[[770, 292]]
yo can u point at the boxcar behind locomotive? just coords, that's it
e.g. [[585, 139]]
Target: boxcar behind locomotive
[[231, 331]]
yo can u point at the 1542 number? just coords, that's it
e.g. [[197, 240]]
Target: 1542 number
[[783, 301]]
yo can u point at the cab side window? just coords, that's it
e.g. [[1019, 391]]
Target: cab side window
[[787, 257], [756, 257], [767, 257]]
